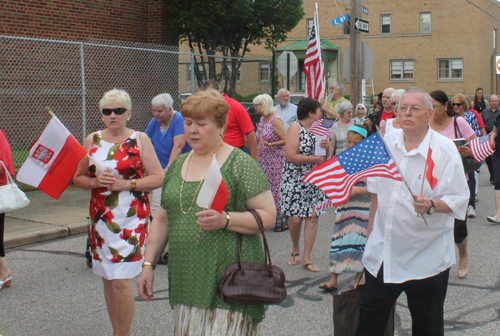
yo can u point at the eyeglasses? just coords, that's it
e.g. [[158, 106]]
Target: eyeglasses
[[413, 109], [437, 106], [117, 111], [456, 104], [360, 108]]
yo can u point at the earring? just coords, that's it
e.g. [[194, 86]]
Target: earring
[[128, 119]]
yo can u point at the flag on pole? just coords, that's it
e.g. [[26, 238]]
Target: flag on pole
[[214, 193], [433, 156], [481, 147], [337, 176], [313, 64], [322, 126], [52, 160]]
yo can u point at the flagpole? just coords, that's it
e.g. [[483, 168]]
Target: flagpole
[[316, 24], [397, 166], [88, 155]]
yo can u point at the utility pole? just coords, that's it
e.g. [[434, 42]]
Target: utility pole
[[355, 57]]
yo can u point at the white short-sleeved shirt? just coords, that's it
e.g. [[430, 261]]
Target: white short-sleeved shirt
[[408, 248], [288, 114]]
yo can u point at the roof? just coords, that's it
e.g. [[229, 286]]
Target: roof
[[302, 45]]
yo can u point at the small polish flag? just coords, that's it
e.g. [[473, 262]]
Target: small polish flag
[[432, 161], [52, 160], [214, 193]]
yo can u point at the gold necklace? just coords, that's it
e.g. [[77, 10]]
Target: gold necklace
[[199, 185]]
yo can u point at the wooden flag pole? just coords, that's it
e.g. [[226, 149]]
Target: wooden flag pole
[[88, 155]]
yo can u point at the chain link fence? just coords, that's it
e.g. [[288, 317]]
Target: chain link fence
[[71, 77]]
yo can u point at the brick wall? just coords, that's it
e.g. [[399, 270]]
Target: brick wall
[[136, 21]]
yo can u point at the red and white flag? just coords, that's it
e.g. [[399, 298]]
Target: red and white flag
[[314, 67], [433, 156], [52, 160], [481, 148], [214, 193]]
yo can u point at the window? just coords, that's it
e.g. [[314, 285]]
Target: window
[[310, 23], [402, 70], [346, 29], [188, 72], [264, 72], [425, 23], [385, 24], [494, 39], [452, 68]]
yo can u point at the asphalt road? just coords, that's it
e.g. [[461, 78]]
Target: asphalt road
[[54, 293]]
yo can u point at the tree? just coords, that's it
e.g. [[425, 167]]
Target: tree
[[229, 27]]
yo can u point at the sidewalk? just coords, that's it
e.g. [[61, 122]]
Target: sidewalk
[[46, 218]]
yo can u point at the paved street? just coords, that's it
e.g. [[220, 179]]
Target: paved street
[[54, 293]]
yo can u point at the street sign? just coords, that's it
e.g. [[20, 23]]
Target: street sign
[[364, 10], [361, 25], [282, 63], [367, 62], [497, 64], [340, 20]]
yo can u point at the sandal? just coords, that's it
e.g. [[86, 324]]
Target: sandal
[[327, 288], [281, 229], [311, 268], [295, 260], [6, 282]]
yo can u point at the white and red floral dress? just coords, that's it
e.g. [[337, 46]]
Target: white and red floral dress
[[118, 220]]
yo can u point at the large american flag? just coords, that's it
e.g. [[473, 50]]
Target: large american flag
[[314, 66], [337, 176], [322, 126], [481, 147]]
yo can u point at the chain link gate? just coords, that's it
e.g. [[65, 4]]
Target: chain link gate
[[71, 77]]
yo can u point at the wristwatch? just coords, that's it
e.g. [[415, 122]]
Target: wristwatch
[[432, 208], [147, 263]]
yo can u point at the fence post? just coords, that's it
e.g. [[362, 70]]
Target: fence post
[[84, 94], [273, 73], [193, 75]]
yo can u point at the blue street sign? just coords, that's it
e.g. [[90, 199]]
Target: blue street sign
[[364, 10], [340, 20]]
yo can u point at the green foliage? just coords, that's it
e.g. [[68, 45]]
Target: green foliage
[[238, 97], [249, 98]]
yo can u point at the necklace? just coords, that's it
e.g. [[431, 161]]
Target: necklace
[[199, 185]]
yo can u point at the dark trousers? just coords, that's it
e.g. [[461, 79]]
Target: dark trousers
[[472, 189], [2, 225], [489, 163], [425, 301]]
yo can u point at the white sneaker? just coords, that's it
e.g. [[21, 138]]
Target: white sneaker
[[470, 212]]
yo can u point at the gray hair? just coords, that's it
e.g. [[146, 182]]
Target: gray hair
[[116, 96], [397, 94], [427, 97], [493, 95], [357, 106], [281, 91], [267, 103], [340, 86], [163, 100], [344, 107]]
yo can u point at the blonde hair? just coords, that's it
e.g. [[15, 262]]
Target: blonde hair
[[267, 103], [206, 104], [116, 96], [463, 100]]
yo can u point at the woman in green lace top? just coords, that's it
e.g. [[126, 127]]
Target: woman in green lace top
[[203, 242]]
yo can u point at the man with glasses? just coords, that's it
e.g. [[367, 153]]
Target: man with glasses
[[404, 252], [489, 116], [286, 110], [335, 98]]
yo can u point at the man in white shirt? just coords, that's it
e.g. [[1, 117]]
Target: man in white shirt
[[286, 110], [403, 253]]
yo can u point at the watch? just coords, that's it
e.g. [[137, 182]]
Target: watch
[[432, 208], [227, 220], [147, 263]]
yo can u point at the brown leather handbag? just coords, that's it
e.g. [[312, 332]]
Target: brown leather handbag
[[252, 283]]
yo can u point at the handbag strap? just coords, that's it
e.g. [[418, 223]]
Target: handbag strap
[[456, 127], [9, 178]]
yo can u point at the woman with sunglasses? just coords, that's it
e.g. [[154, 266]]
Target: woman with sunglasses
[[360, 113], [119, 205], [479, 103], [447, 122]]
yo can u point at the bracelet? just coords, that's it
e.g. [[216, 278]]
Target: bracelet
[[227, 222], [133, 184], [147, 263]]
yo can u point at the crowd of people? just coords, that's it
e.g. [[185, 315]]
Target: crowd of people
[[263, 168]]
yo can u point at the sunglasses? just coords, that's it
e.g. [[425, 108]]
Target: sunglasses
[[117, 111], [394, 104], [456, 104]]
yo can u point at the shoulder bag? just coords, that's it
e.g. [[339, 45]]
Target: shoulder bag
[[11, 197], [252, 283], [470, 164]]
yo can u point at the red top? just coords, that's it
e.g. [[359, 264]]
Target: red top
[[6, 157], [238, 123], [386, 116], [480, 122]]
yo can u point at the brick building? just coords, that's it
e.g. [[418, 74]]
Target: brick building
[[435, 44]]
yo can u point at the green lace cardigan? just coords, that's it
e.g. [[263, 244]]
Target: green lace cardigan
[[194, 271]]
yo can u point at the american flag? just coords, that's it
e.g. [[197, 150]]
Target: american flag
[[314, 66], [481, 147], [322, 126], [433, 156], [337, 176]]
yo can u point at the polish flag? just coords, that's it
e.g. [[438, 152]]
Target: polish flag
[[52, 160], [214, 193], [432, 161]]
